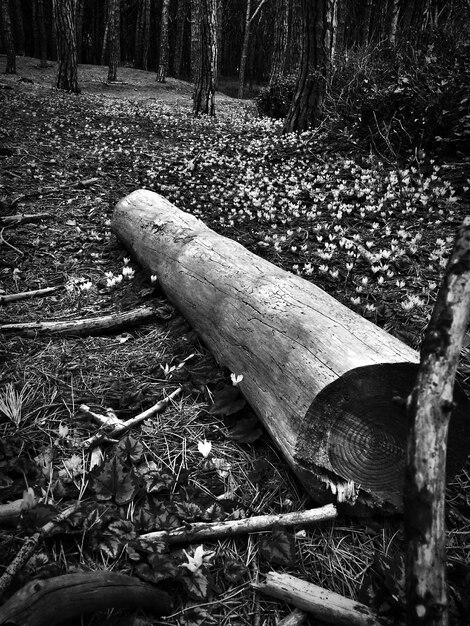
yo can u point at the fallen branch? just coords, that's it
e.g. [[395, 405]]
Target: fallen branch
[[324, 605], [60, 599], [21, 218], [202, 531], [29, 546], [430, 406], [36, 293], [87, 326], [112, 427]]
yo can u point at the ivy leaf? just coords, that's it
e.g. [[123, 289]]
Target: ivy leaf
[[165, 520], [188, 511], [160, 568], [110, 482], [278, 547], [227, 401], [130, 449], [157, 481], [197, 585]]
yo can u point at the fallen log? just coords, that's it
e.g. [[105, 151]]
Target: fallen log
[[58, 600], [329, 386], [324, 605]]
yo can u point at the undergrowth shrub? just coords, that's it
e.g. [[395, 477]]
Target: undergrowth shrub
[[274, 100], [399, 99]]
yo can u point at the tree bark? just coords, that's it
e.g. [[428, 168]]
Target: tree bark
[[79, 9], [431, 406], [180, 28], [42, 33], [8, 36], [204, 89], [196, 49], [281, 34], [314, 66], [20, 37], [164, 44], [139, 34], [145, 34], [60, 599], [246, 42], [323, 380], [113, 39], [64, 16]]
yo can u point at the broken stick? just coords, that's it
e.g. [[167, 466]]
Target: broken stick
[[201, 531], [36, 293], [87, 326], [112, 427]]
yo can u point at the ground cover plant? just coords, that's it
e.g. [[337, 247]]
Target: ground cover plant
[[373, 233]]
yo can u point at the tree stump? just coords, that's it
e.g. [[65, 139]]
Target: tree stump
[[329, 386]]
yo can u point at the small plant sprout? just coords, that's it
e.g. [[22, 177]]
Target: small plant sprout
[[126, 260], [204, 448], [12, 402], [236, 379], [153, 279], [86, 286]]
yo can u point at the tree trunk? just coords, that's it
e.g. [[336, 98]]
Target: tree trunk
[[146, 34], [339, 31], [314, 66], [196, 49], [80, 6], [20, 38], [164, 44], [392, 21], [365, 30], [244, 56], [8, 36], [113, 38], [64, 16], [281, 33], [42, 33], [324, 381], [204, 89], [139, 35], [180, 27], [431, 406]]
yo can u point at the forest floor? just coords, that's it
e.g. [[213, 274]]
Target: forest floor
[[375, 235]]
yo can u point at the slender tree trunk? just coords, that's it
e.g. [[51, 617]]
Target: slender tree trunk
[[365, 30], [20, 38], [281, 34], [180, 26], [392, 21], [64, 16], [164, 44], [113, 37], [244, 56], [139, 32], [145, 34], [204, 91], [314, 66], [79, 27], [35, 27], [195, 39], [339, 30], [8, 37], [42, 33], [106, 35], [220, 16]]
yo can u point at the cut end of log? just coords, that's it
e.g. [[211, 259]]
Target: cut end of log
[[362, 439]]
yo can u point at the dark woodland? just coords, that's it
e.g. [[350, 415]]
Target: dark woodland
[[234, 312]]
